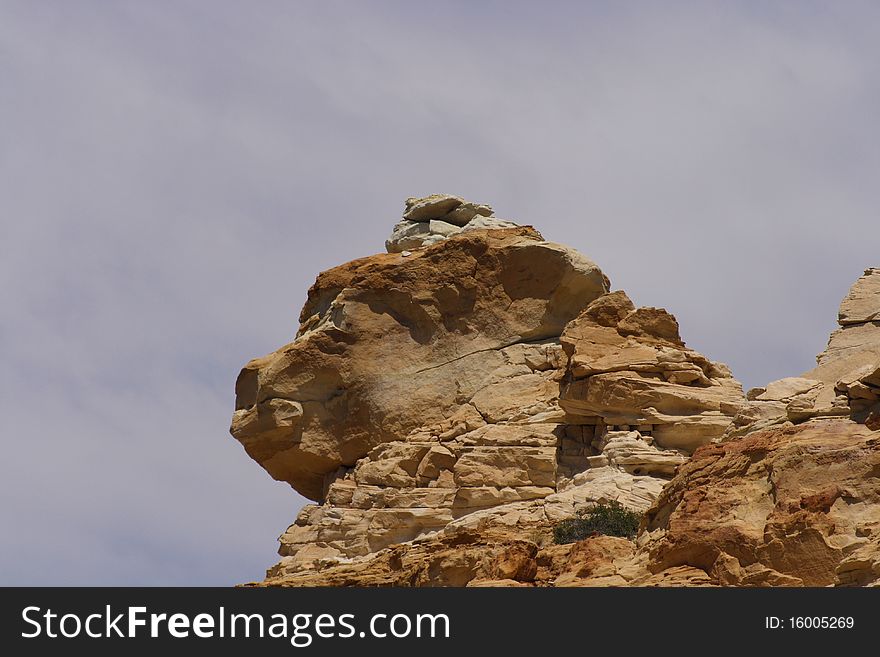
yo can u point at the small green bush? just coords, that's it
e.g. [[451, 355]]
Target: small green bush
[[611, 519]]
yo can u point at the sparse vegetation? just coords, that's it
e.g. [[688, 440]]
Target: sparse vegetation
[[612, 519]]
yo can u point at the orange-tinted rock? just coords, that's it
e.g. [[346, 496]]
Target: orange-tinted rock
[[784, 506]]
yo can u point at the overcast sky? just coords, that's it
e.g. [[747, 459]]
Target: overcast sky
[[174, 174]]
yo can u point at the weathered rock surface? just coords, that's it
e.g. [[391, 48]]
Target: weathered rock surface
[[447, 403], [844, 382], [432, 219], [628, 368], [452, 337], [423, 392], [444, 207], [788, 506], [862, 304], [494, 557]]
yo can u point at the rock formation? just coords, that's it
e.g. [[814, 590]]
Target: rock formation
[[845, 381], [446, 403], [782, 507], [434, 218]]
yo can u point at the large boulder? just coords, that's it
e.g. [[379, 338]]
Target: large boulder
[[393, 342], [450, 209]]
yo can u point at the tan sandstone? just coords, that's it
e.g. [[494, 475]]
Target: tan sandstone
[[447, 403]]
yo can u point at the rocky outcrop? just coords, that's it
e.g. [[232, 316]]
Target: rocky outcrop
[[862, 304], [392, 348], [628, 368], [463, 381], [497, 556], [845, 381], [791, 495], [447, 403], [789, 506]]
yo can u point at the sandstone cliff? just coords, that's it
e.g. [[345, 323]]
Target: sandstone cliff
[[446, 403]]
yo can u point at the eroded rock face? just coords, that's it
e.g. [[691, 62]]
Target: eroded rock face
[[464, 333], [628, 368], [844, 382], [862, 304], [496, 556], [447, 403], [422, 393], [789, 506]]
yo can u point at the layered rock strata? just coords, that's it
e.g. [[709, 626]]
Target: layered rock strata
[[424, 387], [446, 403], [628, 368], [845, 381], [392, 347], [788, 506]]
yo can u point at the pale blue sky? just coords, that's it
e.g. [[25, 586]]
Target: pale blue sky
[[174, 174]]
